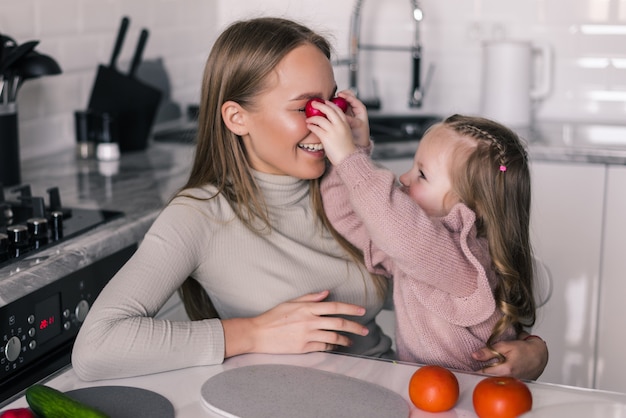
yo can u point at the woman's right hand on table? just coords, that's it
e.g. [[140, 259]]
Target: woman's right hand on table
[[301, 325]]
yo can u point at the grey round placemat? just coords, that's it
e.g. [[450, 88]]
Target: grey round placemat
[[124, 401], [279, 390]]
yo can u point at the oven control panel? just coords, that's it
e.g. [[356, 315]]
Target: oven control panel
[[38, 328]]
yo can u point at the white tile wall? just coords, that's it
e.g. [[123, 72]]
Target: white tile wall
[[80, 34], [589, 77], [589, 74]]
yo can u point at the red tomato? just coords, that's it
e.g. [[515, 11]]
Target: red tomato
[[17, 413], [501, 397], [434, 389]]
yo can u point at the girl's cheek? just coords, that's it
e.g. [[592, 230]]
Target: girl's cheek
[[414, 193]]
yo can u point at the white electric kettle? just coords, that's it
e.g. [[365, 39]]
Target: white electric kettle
[[516, 76]]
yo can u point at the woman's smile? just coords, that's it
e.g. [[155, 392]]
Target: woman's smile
[[316, 148]]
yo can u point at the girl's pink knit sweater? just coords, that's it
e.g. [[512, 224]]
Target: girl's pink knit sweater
[[442, 276]]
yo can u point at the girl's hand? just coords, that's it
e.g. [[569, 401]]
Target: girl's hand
[[333, 130], [340, 133], [525, 359], [358, 119], [301, 325]]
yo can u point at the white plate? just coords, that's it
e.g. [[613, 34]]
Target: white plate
[[580, 410]]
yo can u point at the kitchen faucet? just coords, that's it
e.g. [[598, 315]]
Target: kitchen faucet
[[417, 95], [417, 89]]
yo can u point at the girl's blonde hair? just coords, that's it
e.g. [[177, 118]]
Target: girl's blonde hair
[[237, 69], [493, 179]]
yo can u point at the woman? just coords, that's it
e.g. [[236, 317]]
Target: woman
[[248, 230]]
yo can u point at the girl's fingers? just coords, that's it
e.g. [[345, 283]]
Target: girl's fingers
[[329, 109], [355, 104]]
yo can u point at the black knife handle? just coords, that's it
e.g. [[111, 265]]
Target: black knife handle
[[141, 44], [121, 34]]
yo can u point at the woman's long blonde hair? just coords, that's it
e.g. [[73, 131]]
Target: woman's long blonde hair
[[494, 181], [237, 68]]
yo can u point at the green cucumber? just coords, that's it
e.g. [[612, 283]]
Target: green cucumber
[[47, 402]]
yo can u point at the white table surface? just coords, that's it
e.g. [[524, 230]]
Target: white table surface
[[182, 387]]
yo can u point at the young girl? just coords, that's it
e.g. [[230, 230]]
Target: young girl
[[455, 236], [260, 267]]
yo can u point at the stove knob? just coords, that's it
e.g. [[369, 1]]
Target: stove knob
[[12, 349], [37, 227], [18, 239], [18, 234], [56, 225], [81, 311]]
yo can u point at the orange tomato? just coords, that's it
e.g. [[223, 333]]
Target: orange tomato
[[434, 389], [501, 397]]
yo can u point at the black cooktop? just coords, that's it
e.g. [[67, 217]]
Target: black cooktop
[[29, 225]]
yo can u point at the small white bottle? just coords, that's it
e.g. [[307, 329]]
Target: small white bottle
[[108, 148]]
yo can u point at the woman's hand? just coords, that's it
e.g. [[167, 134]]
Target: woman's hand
[[525, 359], [301, 325]]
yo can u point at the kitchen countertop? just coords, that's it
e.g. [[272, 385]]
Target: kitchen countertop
[[576, 142], [549, 141], [141, 183], [182, 387], [144, 182]]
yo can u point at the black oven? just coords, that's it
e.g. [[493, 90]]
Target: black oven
[[38, 329]]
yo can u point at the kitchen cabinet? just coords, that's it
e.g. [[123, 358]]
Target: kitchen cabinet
[[611, 367], [566, 231]]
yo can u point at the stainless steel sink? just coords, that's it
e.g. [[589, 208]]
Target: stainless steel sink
[[397, 136], [397, 128]]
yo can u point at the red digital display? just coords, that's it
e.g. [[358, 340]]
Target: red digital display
[[45, 323], [47, 313]]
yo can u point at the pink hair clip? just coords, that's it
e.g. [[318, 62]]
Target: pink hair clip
[[502, 168]]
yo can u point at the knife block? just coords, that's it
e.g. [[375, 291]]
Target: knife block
[[9, 146]]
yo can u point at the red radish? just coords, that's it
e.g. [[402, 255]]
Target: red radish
[[310, 110], [17, 413], [341, 103]]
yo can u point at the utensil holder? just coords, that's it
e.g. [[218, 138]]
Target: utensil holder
[[9, 146]]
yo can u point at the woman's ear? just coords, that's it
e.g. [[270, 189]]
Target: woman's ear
[[234, 118]]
